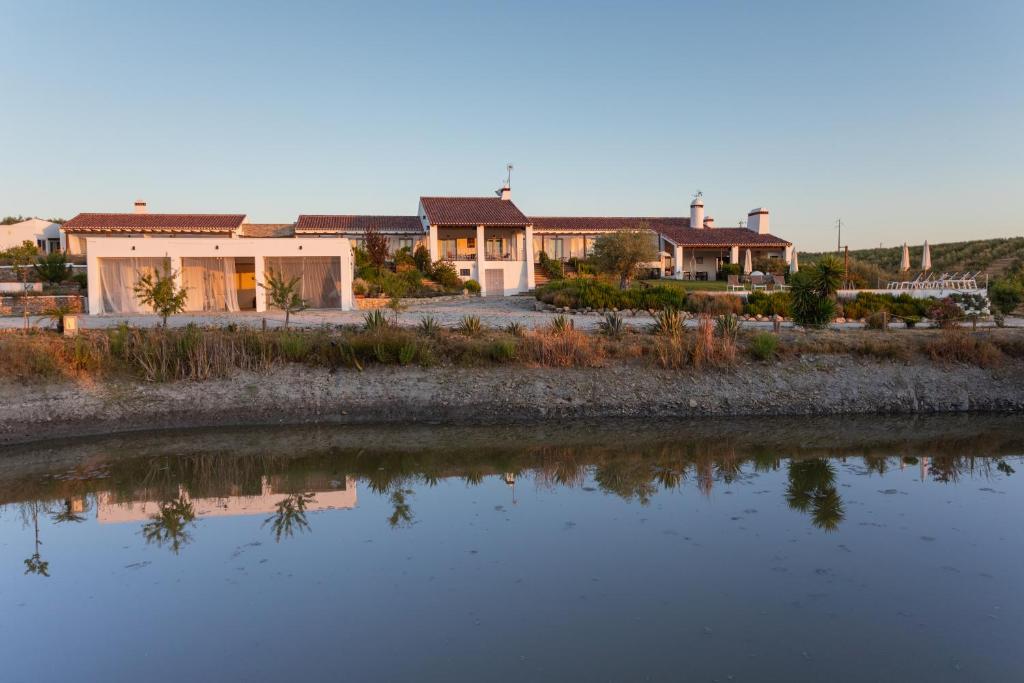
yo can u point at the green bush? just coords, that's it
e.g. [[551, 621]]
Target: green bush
[[586, 292], [422, 259], [552, 267], [767, 303], [445, 274], [472, 286], [810, 302], [1006, 295], [764, 346], [714, 304]]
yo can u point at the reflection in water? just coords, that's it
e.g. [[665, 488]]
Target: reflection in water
[[290, 516], [169, 526], [36, 564], [812, 490], [401, 515]]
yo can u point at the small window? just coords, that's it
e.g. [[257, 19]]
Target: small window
[[404, 243], [463, 272], [41, 244], [471, 243], [700, 260]]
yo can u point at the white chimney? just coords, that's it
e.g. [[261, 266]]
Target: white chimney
[[697, 214], [505, 192], [757, 221], [709, 222], [140, 206]]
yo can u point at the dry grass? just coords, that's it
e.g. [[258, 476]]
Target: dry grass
[[959, 346], [565, 348]]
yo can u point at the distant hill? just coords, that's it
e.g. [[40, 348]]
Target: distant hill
[[993, 256]]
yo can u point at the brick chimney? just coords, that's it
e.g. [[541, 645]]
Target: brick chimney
[[709, 222], [140, 206], [505, 192]]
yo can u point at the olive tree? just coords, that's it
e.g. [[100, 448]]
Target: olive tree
[[622, 253], [158, 291], [284, 294]]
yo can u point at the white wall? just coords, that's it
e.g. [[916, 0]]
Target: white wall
[[223, 247], [32, 230]]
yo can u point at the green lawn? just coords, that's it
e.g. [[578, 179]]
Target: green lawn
[[691, 285]]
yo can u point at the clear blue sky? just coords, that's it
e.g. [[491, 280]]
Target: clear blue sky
[[904, 118]]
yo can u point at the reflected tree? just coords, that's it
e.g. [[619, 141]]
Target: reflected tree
[[36, 564], [290, 516], [68, 513], [169, 526], [401, 514], [812, 490]]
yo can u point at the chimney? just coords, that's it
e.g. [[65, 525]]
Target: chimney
[[505, 192], [709, 222], [697, 214], [140, 206], [757, 221]]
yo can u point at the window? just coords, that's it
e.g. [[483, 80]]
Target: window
[[495, 247], [463, 272], [41, 244], [405, 243], [449, 249], [700, 260], [471, 243]]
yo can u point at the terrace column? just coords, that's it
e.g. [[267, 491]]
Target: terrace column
[[789, 254], [346, 275], [92, 272], [531, 282], [259, 274], [480, 260], [678, 259], [179, 278], [432, 244], [734, 255]]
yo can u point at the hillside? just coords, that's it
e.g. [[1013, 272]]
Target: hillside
[[993, 256]]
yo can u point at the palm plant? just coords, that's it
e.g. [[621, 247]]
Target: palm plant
[[170, 524], [668, 323], [375, 321], [516, 329], [470, 325], [290, 516], [429, 325], [561, 324], [612, 326], [56, 315]]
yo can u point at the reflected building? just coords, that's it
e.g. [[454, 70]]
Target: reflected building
[[335, 495]]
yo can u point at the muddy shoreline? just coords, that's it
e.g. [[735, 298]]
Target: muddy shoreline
[[829, 385]]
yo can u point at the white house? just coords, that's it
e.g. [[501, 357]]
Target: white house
[[45, 235]]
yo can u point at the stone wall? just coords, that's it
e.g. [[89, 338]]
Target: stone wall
[[38, 305]]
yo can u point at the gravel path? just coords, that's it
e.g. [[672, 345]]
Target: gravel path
[[493, 312]]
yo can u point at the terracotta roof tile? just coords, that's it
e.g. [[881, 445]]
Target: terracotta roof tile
[[154, 222], [325, 223], [722, 237], [606, 223], [268, 229], [467, 211]]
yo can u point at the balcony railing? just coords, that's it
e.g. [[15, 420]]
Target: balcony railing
[[487, 257]]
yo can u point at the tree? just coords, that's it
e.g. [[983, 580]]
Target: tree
[[158, 291], [284, 295], [169, 526], [376, 246], [622, 253], [21, 256], [290, 516], [53, 267]]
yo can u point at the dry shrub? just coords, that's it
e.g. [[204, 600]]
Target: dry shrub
[[959, 346], [1014, 348], [569, 348], [884, 349], [41, 356], [672, 352]]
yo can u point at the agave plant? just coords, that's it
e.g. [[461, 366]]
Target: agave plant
[[612, 326], [429, 325], [561, 324], [728, 326], [516, 329], [375, 320], [668, 323], [470, 325]]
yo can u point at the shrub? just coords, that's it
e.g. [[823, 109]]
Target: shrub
[[502, 350], [53, 267], [1006, 295], [82, 279], [422, 259], [728, 327], [767, 303], [945, 314], [470, 325], [571, 349], [959, 346], [714, 304], [879, 320], [809, 304], [552, 267], [472, 286], [360, 287], [764, 346], [444, 274]]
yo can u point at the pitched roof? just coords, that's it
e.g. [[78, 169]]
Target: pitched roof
[[607, 223], [268, 230], [466, 211], [324, 223], [722, 237], [154, 222]]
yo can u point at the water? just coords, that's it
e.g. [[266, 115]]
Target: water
[[796, 550]]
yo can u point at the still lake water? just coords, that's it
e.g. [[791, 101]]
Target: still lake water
[[747, 550]]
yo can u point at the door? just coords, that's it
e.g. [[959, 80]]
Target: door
[[494, 282]]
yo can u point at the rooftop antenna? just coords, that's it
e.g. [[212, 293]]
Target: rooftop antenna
[[508, 177], [743, 223], [698, 195]]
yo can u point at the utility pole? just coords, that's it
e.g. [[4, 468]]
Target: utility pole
[[839, 235], [846, 268]]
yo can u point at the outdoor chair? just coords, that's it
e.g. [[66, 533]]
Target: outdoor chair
[[733, 283], [757, 282]]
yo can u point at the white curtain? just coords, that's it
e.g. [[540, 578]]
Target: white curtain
[[211, 284], [117, 282], [320, 277]]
